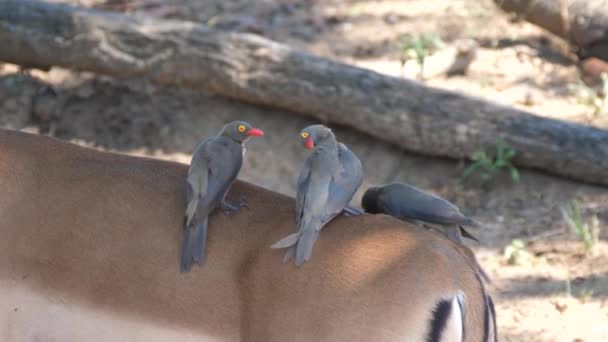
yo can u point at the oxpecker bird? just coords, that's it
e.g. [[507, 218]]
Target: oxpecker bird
[[409, 203], [328, 180], [215, 164]]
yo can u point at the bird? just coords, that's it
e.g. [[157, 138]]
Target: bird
[[215, 165], [328, 179], [409, 203]]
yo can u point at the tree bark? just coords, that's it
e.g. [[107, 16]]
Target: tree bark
[[583, 23], [253, 69]]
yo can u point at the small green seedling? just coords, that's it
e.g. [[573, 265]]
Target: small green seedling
[[588, 233], [490, 166], [419, 48], [514, 251], [596, 100], [585, 295]]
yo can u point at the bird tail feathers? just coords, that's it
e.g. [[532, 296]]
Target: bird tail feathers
[[467, 235], [305, 244], [286, 241], [291, 252], [471, 223], [194, 245]]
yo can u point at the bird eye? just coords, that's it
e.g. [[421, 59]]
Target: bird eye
[[304, 135], [242, 128]]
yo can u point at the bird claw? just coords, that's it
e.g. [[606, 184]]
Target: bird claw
[[231, 209]]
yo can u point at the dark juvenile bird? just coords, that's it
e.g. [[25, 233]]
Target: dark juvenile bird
[[412, 204], [215, 165], [328, 180]]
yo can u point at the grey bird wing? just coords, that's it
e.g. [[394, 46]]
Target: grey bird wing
[[214, 167], [196, 182], [303, 180], [409, 202], [344, 183]]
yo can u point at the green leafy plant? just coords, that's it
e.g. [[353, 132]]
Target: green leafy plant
[[514, 251], [588, 233], [419, 47], [596, 100], [489, 166]]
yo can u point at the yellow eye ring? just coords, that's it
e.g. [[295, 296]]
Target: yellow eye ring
[[242, 128], [304, 135]]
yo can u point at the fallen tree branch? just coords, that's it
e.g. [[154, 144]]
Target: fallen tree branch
[[582, 23], [253, 69]]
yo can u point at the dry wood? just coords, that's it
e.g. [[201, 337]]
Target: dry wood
[[253, 69], [583, 23]]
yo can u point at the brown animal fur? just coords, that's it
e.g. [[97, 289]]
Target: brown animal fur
[[89, 250]]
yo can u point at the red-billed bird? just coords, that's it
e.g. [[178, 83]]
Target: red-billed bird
[[215, 164], [328, 180]]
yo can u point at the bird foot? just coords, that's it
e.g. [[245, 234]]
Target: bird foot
[[348, 211], [231, 209]]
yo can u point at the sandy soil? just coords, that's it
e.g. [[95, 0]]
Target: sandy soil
[[554, 292]]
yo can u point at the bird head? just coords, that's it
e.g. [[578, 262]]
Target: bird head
[[370, 202], [311, 136], [240, 131]]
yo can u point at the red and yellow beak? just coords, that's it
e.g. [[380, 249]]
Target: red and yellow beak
[[255, 132], [309, 144]]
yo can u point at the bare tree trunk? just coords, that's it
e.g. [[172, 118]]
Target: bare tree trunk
[[253, 69], [583, 23]]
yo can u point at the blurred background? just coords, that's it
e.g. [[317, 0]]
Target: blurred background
[[543, 238]]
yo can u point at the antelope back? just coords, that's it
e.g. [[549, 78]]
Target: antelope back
[[89, 251]]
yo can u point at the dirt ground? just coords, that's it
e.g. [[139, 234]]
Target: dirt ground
[[553, 292]]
